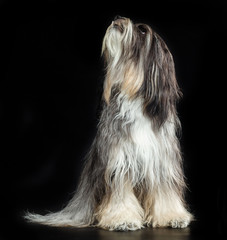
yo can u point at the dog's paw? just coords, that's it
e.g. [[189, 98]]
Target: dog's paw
[[121, 226], [173, 222], [182, 223], [126, 226]]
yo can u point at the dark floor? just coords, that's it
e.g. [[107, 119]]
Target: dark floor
[[93, 233], [39, 232]]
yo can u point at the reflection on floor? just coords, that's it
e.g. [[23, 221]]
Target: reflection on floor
[[39, 232]]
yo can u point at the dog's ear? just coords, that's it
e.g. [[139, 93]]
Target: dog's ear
[[160, 87]]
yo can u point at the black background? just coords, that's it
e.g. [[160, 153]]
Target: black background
[[51, 77]]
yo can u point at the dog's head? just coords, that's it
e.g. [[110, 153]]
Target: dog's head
[[140, 64], [126, 40]]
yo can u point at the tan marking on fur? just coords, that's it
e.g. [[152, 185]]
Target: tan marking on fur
[[167, 208], [148, 208], [107, 90], [132, 81], [120, 210]]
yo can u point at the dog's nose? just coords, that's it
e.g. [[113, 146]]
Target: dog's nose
[[117, 17]]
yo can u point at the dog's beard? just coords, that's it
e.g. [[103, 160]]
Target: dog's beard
[[118, 35], [121, 52], [139, 63]]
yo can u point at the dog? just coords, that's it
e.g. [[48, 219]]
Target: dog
[[133, 175]]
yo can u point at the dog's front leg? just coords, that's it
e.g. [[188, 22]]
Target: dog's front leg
[[120, 210], [168, 209]]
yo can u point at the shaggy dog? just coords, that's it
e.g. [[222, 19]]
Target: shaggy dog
[[133, 172]]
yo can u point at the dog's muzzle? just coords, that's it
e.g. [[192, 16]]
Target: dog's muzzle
[[119, 23]]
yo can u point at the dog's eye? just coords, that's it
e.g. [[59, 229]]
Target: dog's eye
[[142, 29]]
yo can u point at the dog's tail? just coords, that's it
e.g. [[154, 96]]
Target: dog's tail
[[77, 213], [58, 219], [80, 210]]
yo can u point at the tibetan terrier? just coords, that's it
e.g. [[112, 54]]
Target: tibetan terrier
[[133, 173]]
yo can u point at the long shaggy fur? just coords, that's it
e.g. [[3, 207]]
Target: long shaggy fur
[[133, 172]]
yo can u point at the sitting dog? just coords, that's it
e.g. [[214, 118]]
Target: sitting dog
[[133, 173]]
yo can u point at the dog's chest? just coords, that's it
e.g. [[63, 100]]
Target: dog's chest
[[138, 125]]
